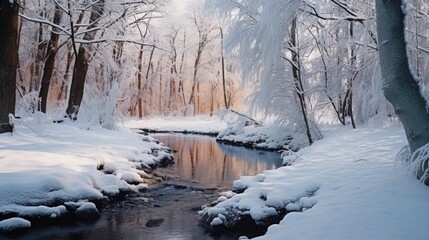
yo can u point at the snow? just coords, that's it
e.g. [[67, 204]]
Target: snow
[[202, 124], [87, 206], [34, 211], [216, 221], [45, 166], [12, 224], [345, 186]]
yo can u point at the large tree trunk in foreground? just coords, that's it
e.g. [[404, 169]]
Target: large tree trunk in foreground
[[81, 64], [399, 86], [8, 61]]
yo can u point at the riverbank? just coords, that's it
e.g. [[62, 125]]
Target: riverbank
[[53, 171], [203, 125], [232, 129], [345, 186]]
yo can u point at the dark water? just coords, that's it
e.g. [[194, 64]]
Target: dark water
[[202, 169]]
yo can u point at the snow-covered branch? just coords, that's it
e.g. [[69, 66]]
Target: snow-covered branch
[[45, 21]]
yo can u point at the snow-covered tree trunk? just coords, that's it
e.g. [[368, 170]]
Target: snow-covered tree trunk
[[8, 61], [400, 87]]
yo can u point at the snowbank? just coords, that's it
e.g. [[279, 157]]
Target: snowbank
[[44, 167], [230, 128], [196, 124], [260, 137], [345, 186], [245, 131]]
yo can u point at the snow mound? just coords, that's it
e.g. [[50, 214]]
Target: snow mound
[[36, 212], [14, 224], [87, 211]]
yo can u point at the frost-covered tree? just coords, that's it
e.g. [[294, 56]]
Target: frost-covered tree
[[265, 36], [401, 87], [309, 59], [82, 59]]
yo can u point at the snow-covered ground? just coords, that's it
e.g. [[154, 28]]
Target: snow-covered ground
[[50, 169], [345, 186], [201, 124]]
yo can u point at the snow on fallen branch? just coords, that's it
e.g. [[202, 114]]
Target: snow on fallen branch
[[255, 122]]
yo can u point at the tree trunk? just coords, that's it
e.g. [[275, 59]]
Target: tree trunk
[[296, 71], [194, 76], [399, 86], [81, 63], [181, 88], [223, 69], [350, 85], [38, 58], [8, 61], [50, 62], [139, 82]]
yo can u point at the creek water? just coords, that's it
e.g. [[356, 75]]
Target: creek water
[[202, 169]]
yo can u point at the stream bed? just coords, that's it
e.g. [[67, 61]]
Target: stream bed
[[169, 210]]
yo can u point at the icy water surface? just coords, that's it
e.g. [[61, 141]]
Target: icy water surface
[[202, 169]]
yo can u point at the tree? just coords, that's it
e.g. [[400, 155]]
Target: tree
[[82, 61], [8, 61], [297, 76], [399, 85], [204, 38], [48, 67], [266, 37]]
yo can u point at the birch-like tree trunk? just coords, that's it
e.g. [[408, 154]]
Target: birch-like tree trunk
[[399, 86], [8, 61]]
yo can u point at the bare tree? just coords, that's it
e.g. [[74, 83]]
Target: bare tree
[[82, 60], [204, 38]]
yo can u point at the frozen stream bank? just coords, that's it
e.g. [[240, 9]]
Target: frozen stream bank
[[202, 169]]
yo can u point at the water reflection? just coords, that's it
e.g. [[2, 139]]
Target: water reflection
[[212, 164]]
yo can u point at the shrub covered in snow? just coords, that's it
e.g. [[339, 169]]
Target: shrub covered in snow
[[245, 131]]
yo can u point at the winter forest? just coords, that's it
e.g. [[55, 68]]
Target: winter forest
[[94, 92], [301, 62]]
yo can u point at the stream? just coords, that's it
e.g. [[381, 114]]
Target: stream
[[202, 169]]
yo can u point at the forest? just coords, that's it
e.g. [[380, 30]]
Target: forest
[[285, 75], [311, 59]]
